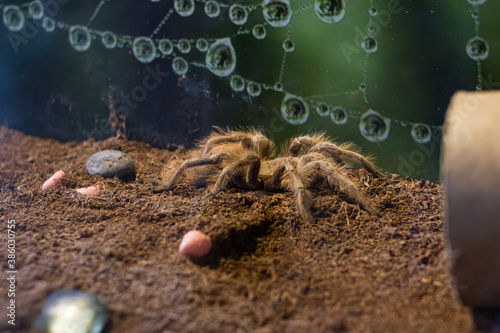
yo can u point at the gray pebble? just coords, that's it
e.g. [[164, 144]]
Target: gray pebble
[[111, 163]]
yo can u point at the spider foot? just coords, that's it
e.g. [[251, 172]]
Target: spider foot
[[369, 208], [209, 196], [158, 188], [306, 216]]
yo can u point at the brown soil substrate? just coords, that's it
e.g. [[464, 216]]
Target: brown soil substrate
[[348, 271]]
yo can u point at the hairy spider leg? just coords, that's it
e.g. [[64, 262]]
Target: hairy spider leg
[[303, 201], [294, 184], [221, 140], [233, 173], [338, 153], [315, 145], [301, 142], [194, 162], [274, 183], [335, 179]]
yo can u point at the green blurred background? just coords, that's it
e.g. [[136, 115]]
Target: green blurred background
[[49, 89]]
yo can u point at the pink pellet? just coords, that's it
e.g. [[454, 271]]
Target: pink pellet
[[195, 244], [90, 190], [57, 180]]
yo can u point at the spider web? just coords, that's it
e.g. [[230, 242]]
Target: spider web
[[349, 68]]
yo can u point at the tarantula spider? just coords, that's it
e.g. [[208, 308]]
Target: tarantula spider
[[244, 159]]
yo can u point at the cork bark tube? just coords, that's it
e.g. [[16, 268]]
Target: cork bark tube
[[470, 172]]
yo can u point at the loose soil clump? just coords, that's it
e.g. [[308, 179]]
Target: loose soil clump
[[268, 271]]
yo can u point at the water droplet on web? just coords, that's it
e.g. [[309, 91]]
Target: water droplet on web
[[323, 110], [477, 2], [294, 109], [202, 44], [35, 10], [144, 49], [277, 13], [259, 31], [48, 24], [475, 12], [369, 45], [238, 14], [477, 49], [184, 7], [221, 57], [184, 45], [180, 65], [254, 89], [165, 46], [237, 83], [329, 11], [373, 126], [79, 38], [278, 86], [212, 9], [108, 39], [338, 115], [288, 45], [13, 18], [421, 133]]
